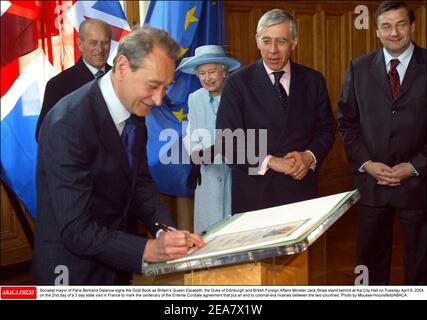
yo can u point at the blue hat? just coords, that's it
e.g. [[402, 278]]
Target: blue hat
[[207, 54]]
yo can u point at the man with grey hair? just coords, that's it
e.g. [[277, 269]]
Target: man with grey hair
[[94, 42], [290, 101], [92, 170]]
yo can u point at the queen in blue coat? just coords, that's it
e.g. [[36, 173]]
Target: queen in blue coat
[[212, 201]]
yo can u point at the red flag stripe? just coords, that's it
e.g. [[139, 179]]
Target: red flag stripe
[[9, 73], [118, 33], [24, 12]]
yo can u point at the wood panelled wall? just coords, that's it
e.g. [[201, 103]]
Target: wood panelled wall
[[14, 247], [327, 42]]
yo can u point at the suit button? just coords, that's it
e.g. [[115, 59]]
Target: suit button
[[393, 112], [219, 179]]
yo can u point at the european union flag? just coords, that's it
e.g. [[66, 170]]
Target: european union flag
[[191, 24]]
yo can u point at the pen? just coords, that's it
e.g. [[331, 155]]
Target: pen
[[163, 226]]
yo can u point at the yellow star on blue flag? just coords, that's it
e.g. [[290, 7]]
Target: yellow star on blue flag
[[180, 115], [190, 17], [191, 24]]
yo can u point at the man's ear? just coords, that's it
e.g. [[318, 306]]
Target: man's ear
[[122, 66], [80, 44], [294, 43], [413, 27], [257, 41]]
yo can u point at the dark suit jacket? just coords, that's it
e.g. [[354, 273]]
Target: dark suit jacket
[[376, 127], [249, 101], [63, 84], [85, 188]]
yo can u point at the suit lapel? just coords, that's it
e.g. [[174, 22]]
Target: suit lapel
[[270, 101], [264, 88], [108, 134], [415, 68], [379, 73], [297, 90], [107, 67], [84, 73]]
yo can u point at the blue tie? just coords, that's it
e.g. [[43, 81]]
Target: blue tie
[[280, 91], [99, 74], [128, 137]]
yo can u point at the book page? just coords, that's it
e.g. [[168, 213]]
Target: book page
[[250, 239], [256, 229], [313, 209]]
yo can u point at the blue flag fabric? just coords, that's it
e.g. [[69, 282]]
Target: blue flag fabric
[[19, 149], [191, 24]]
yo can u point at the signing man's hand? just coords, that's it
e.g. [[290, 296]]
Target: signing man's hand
[[171, 245]]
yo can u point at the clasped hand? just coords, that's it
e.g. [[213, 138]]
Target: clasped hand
[[388, 176], [295, 164], [171, 245]]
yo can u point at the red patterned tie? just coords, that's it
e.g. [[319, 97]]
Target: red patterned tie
[[393, 78]]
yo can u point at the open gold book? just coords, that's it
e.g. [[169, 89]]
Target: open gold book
[[277, 226]]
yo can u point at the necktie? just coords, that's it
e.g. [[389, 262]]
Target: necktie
[[393, 78], [280, 91], [99, 74], [128, 137]]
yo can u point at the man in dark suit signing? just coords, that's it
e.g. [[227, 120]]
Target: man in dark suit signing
[[94, 42], [92, 169], [291, 103], [382, 120]]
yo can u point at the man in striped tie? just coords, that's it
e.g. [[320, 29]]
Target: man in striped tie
[[92, 172], [382, 119]]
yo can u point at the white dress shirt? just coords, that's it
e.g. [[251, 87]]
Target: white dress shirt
[[93, 69], [285, 81], [401, 68], [117, 110]]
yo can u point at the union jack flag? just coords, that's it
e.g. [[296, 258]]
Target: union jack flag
[[38, 40]]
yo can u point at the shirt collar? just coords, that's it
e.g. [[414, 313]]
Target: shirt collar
[[404, 58], [286, 68], [93, 69], [117, 110]]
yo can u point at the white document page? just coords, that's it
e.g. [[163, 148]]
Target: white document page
[[314, 209], [260, 228]]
